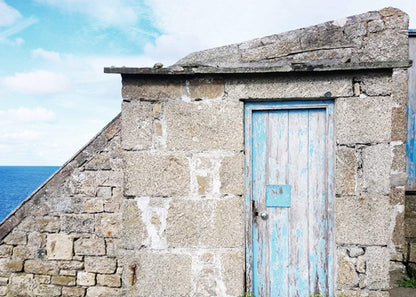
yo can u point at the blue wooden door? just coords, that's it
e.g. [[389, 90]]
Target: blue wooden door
[[289, 198]]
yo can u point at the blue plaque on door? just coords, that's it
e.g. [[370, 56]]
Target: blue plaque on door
[[278, 196]]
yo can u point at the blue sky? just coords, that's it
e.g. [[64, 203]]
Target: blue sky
[[54, 96]]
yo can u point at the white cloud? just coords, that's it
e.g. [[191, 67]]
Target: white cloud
[[18, 27], [47, 55], [24, 114], [110, 12], [37, 82], [8, 15], [189, 25]]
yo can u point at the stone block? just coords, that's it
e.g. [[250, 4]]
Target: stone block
[[232, 175], [386, 45], [190, 223], [73, 292], [134, 232], [346, 170], [76, 264], [378, 259], [89, 246], [16, 237], [376, 163], [362, 220], [109, 280], [410, 227], [399, 230], [289, 86], [363, 120], [42, 279], [410, 206], [104, 192], [400, 87], [137, 119], [152, 90], [41, 267], [21, 285], [399, 161], [205, 223], [6, 250], [49, 224], [87, 182], [103, 292], [399, 124], [232, 271], [59, 247], [85, 278], [84, 223], [347, 276], [173, 275], [47, 290], [100, 161], [10, 265], [148, 174], [21, 252], [205, 88], [376, 84], [397, 196], [203, 126], [93, 205], [228, 226], [63, 280], [68, 272], [100, 264], [4, 281], [108, 224], [3, 291]]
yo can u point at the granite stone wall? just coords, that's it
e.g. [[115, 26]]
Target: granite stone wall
[[184, 178]]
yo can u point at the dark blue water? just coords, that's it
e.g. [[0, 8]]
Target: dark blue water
[[18, 182]]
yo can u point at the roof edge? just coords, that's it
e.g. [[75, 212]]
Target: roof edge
[[292, 67]]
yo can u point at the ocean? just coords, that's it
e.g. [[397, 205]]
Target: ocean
[[18, 182]]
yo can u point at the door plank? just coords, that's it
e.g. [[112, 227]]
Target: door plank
[[317, 195], [260, 238], [298, 222], [278, 140]]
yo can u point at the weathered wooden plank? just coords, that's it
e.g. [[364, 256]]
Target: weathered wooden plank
[[278, 134], [260, 238], [298, 223], [411, 117], [317, 195]]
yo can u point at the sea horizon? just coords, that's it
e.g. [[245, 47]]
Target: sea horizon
[[18, 182]]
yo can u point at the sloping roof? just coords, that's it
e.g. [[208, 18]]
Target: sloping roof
[[349, 40], [372, 40]]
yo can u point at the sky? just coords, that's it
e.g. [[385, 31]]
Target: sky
[[54, 95]]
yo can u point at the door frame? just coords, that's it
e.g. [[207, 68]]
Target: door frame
[[281, 104]]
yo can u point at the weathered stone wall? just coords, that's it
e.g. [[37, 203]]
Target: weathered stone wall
[[370, 182], [63, 240], [184, 178], [183, 227]]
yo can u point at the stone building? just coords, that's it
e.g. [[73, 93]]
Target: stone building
[[273, 166]]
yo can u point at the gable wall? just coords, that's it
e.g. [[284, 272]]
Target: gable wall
[[66, 234]]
